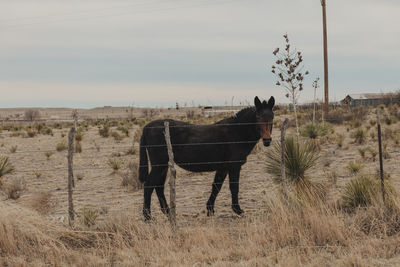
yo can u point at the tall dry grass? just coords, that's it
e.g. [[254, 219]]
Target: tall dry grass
[[280, 234]]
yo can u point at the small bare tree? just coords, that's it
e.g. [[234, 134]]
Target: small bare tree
[[32, 114], [289, 70]]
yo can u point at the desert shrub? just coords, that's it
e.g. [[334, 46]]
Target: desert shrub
[[372, 134], [117, 136], [79, 176], [299, 158], [115, 164], [130, 177], [48, 154], [61, 146], [362, 151], [358, 192], [381, 107], [389, 120], [104, 131], [364, 190], [131, 151], [32, 114], [89, 216], [354, 167], [124, 130], [149, 112], [78, 136], [48, 131], [42, 202], [31, 133], [14, 188], [37, 174], [355, 123], [359, 136], [335, 116], [13, 149], [5, 166], [39, 127], [315, 130], [340, 140]]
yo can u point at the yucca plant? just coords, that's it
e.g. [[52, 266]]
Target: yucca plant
[[359, 192], [300, 156], [365, 190], [5, 166]]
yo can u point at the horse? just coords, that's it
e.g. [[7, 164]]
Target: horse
[[222, 147]]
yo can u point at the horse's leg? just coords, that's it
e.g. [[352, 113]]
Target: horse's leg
[[220, 176], [148, 190], [153, 180], [160, 192], [234, 187]]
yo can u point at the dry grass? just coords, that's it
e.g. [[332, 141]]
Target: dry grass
[[42, 202], [282, 234], [130, 177], [14, 188]]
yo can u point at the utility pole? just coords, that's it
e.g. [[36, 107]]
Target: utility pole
[[326, 84]]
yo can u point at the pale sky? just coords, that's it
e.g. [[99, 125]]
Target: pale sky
[[86, 53]]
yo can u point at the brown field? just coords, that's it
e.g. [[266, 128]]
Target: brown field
[[34, 227]]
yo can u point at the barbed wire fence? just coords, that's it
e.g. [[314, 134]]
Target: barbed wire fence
[[71, 169]]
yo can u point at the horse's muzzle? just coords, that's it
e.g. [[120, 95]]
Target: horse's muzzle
[[267, 141]]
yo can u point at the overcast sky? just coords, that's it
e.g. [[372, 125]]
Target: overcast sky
[[86, 53]]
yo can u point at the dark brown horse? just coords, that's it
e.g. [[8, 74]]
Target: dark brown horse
[[222, 147]]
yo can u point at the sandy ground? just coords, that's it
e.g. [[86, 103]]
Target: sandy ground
[[101, 188]]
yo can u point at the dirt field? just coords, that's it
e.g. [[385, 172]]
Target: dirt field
[[99, 188]]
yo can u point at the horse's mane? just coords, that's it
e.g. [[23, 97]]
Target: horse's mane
[[239, 116]]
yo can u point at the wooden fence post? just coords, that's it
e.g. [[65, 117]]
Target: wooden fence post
[[283, 148], [380, 154], [71, 182], [171, 164]]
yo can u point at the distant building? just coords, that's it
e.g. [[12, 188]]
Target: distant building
[[371, 99]]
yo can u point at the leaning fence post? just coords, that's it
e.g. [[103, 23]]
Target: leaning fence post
[[380, 154], [71, 182], [283, 148], [172, 212]]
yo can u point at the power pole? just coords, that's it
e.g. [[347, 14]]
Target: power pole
[[326, 84]]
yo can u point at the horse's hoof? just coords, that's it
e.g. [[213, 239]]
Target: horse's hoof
[[237, 209], [210, 211], [147, 216], [165, 211]]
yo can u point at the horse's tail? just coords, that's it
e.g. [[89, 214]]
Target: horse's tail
[[143, 164]]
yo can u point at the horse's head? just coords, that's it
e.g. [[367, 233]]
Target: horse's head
[[265, 117]]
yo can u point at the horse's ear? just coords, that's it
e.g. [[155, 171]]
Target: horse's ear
[[271, 102], [257, 103]]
